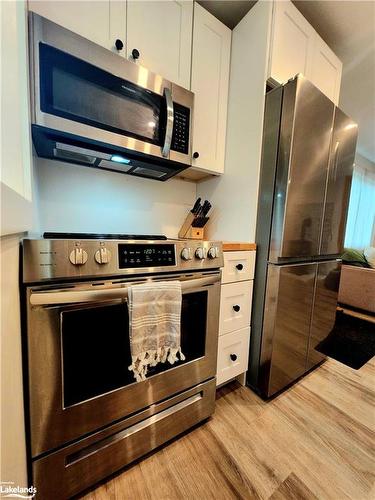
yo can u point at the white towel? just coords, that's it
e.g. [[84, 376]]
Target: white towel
[[154, 324]]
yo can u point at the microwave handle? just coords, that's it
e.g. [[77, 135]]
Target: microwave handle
[[169, 124], [84, 296]]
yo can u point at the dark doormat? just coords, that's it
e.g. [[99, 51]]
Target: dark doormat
[[352, 341]]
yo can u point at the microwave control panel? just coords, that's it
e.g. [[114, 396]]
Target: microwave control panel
[[140, 255], [181, 126]]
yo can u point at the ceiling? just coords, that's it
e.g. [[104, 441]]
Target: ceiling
[[348, 26]]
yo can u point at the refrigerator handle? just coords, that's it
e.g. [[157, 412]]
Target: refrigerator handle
[[336, 159]]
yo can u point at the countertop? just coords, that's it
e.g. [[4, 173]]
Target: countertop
[[235, 246]]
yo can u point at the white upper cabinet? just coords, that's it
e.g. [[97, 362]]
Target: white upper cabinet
[[161, 32], [292, 43], [102, 21], [16, 159], [326, 70], [209, 82], [297, 48]]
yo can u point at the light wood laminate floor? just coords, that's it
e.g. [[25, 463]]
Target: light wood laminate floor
[[316, 440]]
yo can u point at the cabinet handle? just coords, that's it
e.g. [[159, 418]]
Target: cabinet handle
[[119, 44], [236, 308], [196, 155], [239, 267], [135, 54], [233, 357]]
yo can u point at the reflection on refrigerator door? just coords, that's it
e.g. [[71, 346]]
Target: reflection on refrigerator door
[[324, 310], [287, 318]]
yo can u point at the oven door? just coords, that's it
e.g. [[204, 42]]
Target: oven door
[[79, 353]]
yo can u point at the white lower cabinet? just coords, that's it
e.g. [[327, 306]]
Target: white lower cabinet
[[235, 314], [233, 354], [238, 266], [235, 306]]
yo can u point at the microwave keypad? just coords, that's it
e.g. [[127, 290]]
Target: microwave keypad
[[180, 136]]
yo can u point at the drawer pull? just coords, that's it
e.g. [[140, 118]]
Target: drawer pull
[[239, 267], [233, 357], [236, 308]]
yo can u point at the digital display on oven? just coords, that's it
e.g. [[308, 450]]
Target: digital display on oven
[[140, 255]]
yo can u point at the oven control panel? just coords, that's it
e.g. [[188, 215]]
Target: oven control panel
[[48, 259], [143, 255]]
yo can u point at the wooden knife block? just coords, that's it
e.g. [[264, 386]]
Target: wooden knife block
[[195, 233]]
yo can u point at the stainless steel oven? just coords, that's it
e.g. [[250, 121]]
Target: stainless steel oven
[[82, 397], [92, 107]]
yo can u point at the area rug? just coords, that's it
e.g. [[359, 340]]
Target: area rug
[[352, 341]]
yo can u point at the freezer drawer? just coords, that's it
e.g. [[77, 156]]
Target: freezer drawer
[[286, 326], [324, 309], [235, 306]]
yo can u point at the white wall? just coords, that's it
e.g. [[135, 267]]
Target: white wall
[[235, 195], [13, 451], [74, 199]]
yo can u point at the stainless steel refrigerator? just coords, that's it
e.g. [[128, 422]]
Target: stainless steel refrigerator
[[307, 159]]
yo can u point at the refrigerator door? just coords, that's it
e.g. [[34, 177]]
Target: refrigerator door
[[324, 308], [344, 139], [286, 326], [304, 144]]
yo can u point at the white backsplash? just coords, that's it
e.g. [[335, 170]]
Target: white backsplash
[[81, 199]]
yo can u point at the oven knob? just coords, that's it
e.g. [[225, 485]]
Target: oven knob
[[199, 253], [185, 254], [212, 253], [102, 256], [78, 256]]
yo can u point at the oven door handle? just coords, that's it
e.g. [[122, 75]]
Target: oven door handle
[[84, 296], [169, 123]]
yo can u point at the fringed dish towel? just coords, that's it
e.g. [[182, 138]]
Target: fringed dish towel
[[154, 324]]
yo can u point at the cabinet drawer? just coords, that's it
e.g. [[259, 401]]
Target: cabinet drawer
[[233, 354], [238, 266], [235, 306]]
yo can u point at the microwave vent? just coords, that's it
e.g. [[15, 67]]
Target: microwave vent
[[73, 156], [114, 165], [150, 173]]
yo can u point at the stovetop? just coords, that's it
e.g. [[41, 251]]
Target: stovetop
[[102, 236]]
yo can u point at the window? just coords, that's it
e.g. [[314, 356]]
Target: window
[[360, 228]]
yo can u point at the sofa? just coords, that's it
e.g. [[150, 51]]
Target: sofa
[[357, 282], [357, 288]]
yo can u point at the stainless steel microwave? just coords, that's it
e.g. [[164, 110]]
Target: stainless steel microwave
[[92, 107]]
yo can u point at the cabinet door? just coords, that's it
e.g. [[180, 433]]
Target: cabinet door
[[16, 165], [326, 70], [292, 43], [161, 32], [209, 82], [102, 21]]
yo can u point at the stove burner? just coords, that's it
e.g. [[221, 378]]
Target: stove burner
[[94, 236]]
